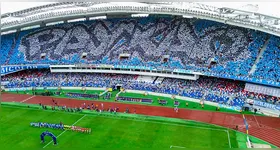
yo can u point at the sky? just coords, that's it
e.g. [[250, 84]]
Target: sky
[[269, 8]]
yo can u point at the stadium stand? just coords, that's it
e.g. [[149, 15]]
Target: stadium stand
[[269, 66], [6, 46], [190, 43], [211, 89]]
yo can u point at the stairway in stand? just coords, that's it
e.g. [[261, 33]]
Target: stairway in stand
[[254, 67]]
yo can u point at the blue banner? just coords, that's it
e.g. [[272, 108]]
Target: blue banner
[[266, 105], [11, 69]]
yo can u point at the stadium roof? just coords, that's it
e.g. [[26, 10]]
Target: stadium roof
[[262, 16], [267, 8]]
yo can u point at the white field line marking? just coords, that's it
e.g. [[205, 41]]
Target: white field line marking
[[65, 130], [257, 121], [176, 146], [103, 93], [27, 99], [228, 139]]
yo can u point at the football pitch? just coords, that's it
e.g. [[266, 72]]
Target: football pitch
[[111, 131]]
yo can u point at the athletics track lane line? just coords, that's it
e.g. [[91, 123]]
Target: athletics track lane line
[[257, 121], [65, 130], [27, 99]]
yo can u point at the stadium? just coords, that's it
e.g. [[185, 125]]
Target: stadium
[[139, 75]]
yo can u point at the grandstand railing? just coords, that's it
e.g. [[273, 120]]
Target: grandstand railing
[[136, 71], [163, 72]]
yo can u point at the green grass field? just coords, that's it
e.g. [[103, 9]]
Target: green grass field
[[111, 131]]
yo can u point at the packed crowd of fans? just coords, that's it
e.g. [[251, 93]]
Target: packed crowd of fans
[[190, 44], [269, 66], [211, 89], [6, 46]]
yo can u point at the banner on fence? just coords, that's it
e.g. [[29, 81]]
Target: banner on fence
[[235, 108], [263, 104], [11, 69], [30, 88], [19, 89]]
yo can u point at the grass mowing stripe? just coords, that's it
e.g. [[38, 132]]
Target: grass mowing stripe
[[65, 130], [166, 123]]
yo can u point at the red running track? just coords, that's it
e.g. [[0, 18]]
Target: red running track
[[265, 128]]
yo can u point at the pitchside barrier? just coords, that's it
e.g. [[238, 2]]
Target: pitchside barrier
[[265, 108], [267, 111]]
